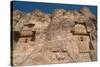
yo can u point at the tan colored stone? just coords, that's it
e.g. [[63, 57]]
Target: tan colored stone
[[80, 29], [64, 36], [84, 57], [83, 43], [85, 11]]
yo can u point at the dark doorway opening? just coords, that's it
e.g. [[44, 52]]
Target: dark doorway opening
[[33, 35], [16, 36]]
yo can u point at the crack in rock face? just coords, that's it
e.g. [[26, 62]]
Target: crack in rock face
[[64, 36]]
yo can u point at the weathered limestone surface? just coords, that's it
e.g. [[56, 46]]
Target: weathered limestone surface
[[64, 36]]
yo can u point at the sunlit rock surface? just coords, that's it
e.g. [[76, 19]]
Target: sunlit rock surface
[[64, 36]]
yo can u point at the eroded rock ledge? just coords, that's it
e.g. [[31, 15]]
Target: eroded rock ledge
[[64, 36]]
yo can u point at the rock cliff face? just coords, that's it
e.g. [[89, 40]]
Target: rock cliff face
[[64, 36]]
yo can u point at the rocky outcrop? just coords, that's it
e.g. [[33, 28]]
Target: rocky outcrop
[[64, 36]]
